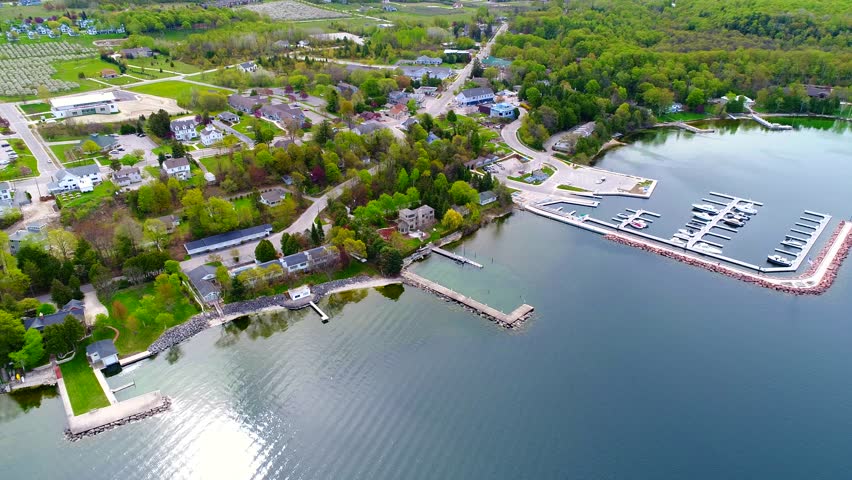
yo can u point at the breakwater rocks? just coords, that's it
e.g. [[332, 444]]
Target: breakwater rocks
[[179, 333], [794, 286], [73, 437]]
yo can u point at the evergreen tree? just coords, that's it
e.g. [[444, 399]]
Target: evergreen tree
[[238, 290], [59, 293], [265, 251], [74, 287], [178, 150], [332, 101], [289, 244], [390, 261], [476, 71]]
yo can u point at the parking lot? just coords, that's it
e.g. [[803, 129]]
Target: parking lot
[[130, 143]]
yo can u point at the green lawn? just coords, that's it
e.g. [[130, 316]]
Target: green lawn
[[26, 160], [122, 80], [354, 269], [172, 89], [161, 62], [683, 117], [18, 12], [92, 199], [33, 108], [91, 67], [84, 391], [146, 330], [571, 188], [247, 122]]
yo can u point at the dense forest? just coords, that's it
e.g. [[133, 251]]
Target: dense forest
[[582, 60]]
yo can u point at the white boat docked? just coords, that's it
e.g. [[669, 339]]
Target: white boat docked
[[747, 208], [682, 236], [779, 260], [707, 248], [703, 216], [705, 207], [678, 241], [688, 233]]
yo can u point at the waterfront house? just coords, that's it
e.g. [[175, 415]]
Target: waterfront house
[[102, 354], [178, 168], [203, 280], [184, 129], [127, 176], [487, 197], [228, 239], [299, 293], [420, 218], [74, 308], [475, 96]]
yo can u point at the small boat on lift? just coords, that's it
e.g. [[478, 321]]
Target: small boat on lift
[[779, 260], [639, 224], [747, 208]]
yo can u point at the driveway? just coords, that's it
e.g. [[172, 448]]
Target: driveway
[[243, 138]]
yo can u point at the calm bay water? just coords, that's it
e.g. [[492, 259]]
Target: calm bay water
[[632, 367]]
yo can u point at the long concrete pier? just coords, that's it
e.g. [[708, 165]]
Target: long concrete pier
[[768, 124], [510, 320]]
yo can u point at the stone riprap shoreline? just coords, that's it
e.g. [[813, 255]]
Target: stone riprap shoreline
[[73, 437], [202, 321], [800, 285]]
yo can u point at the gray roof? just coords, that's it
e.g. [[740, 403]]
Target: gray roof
[[228, 116], [104, 348], [488, 195], [79, 171], [477, 92], [228, 236], [5, 186], [74, 308], [126, 172], [367, 127], [273, 195], [295, 259], [204, 287], [175, 163], [247, 64], [183, 124]]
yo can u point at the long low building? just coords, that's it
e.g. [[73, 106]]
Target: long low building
[[91, 104], [229, 239]]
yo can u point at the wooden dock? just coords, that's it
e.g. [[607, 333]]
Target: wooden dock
[[322, 314], [510, 320], [456, 257]]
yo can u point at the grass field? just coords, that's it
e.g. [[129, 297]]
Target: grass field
[[122, 80], [26, 160], [84, 391], [92, 199], [146, 330], [33, 108], [172, 89], [164, 63], [20, 13]]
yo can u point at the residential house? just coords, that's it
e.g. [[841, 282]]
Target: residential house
[[102, 354], [245, 104], [15, 240], [108, 73], [818, 91], [228, 239], [178, 168], [426, 60], [282, 112], [426, 91], [37, 226], [389, 8], [203, 280], [127, 176], [496, 62], [299, 293], [210, 136], [487, 197], [273, 197], [502, 110], [82, 178], [397, 97], [184, 129], [398, 111], [7, 192], [432, 138], [282, 143], [106, 142], [367, 128], [308, 260], [170, 221], [421, 218], [247, 67], [141, 52], [229, 117], [346, 89], [74, 308], [408, 123], [475, 96], [282, 44]]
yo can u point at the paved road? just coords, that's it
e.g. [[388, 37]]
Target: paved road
[[243, 138]]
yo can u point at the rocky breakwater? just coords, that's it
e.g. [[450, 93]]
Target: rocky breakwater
[[164, 405], [179, 333], [799, 285]]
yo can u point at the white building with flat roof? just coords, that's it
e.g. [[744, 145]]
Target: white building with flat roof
[[77, 106]]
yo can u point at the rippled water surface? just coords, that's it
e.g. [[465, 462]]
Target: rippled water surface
[[633, 366]]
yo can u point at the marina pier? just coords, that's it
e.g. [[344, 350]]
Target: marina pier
[[510, 320]]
